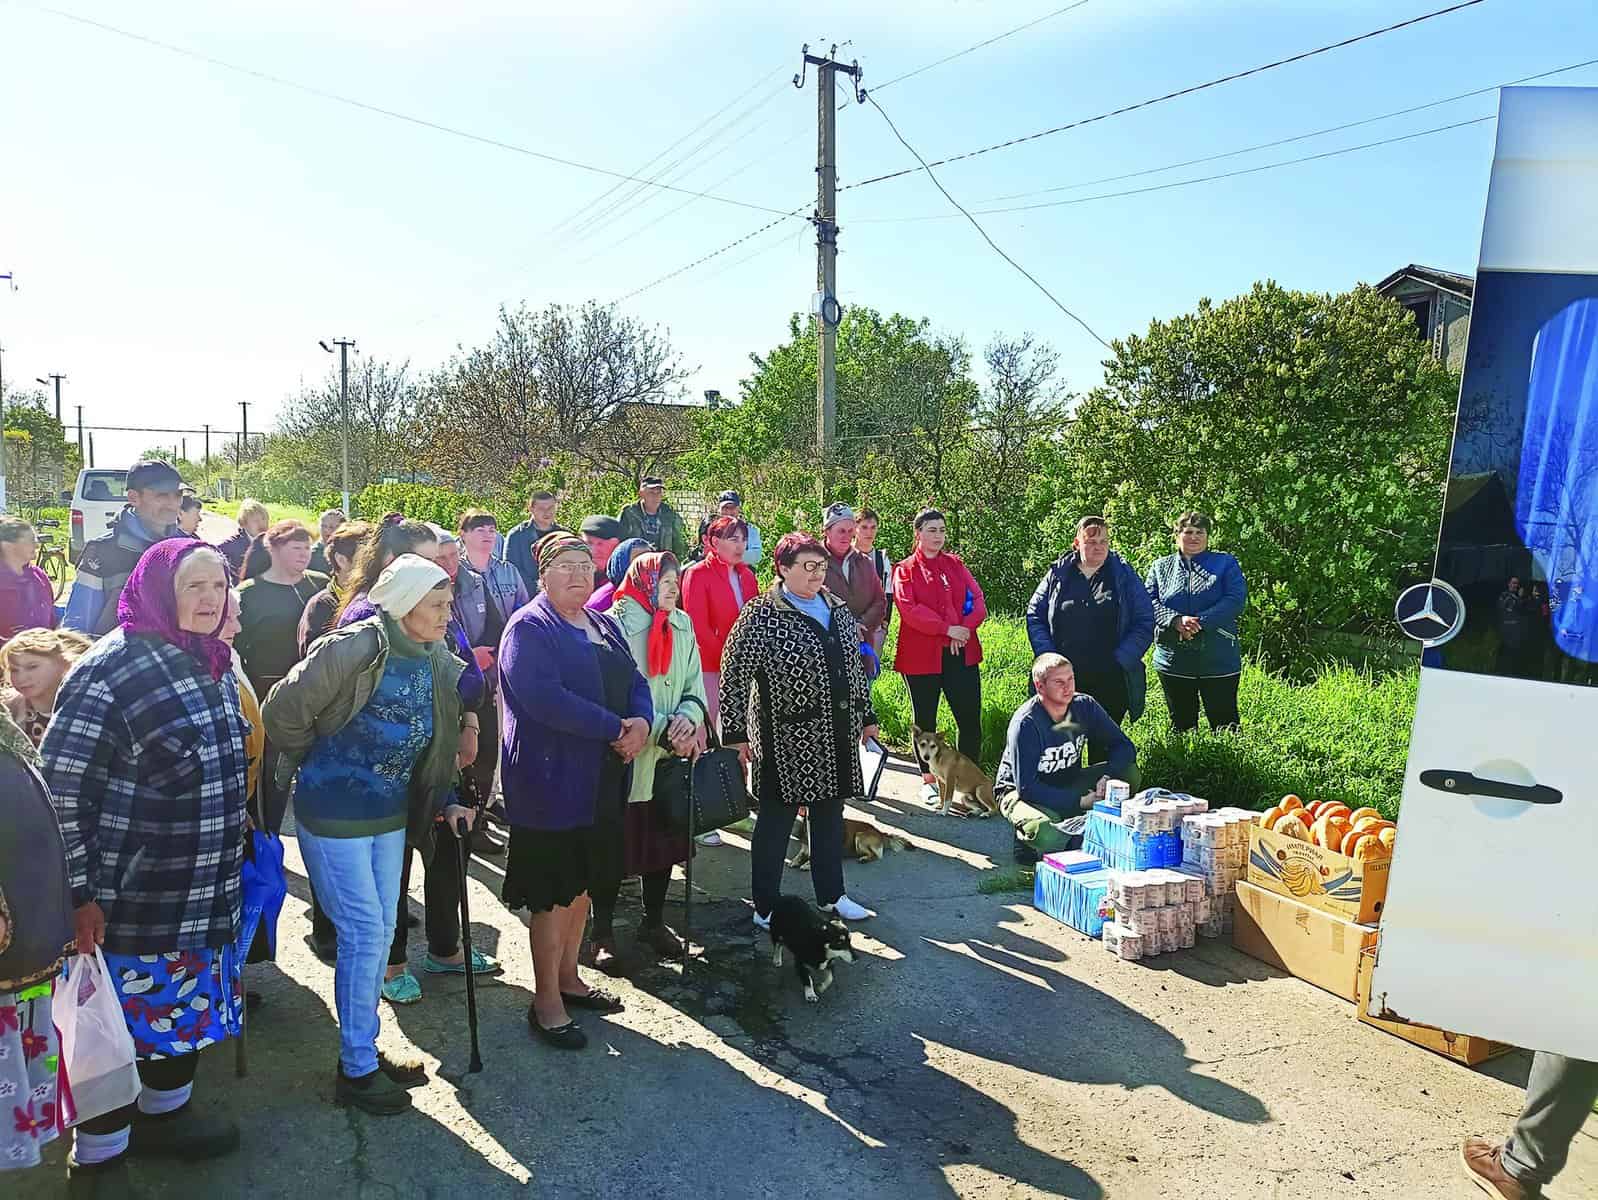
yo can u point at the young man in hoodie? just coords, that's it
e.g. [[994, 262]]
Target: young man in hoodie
[[1094, 610]]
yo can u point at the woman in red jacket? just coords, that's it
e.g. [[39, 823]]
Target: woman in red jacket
[[940, 607], [713, 591]]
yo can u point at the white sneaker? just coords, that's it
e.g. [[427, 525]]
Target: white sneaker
[[713, 838], [849, 910], [929, 794], [762, 922]]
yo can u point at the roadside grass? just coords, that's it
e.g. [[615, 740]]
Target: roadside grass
[[1344, 735], [1016, 879], [280, 512]]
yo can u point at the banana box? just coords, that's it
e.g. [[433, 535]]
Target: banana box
[[1316, 876]]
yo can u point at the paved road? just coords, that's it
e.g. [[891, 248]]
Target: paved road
[[978, 1049]]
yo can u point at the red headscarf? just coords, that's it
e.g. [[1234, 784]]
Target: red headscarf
[[149, 605], [642, 586]]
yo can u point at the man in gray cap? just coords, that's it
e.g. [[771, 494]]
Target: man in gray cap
[[603, 534], [731, 504], [851, 576], [154, 497], [652, 519]]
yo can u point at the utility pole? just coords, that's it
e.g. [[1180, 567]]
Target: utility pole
[[208, 459], [345, 345], [81, 459], [11, 283], [91, 450], [45, 382], [244, 433], [824, 304]]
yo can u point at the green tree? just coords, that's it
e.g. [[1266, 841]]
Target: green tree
[[1314, 428]]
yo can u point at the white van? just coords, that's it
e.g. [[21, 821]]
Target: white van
[[98, 498], [1491, 920]]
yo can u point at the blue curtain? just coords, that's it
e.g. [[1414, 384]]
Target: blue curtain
[[1556, 503]]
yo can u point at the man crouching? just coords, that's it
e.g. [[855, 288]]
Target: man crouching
[[1044, 778]]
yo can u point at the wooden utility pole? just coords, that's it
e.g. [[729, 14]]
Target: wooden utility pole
[[824, 304]]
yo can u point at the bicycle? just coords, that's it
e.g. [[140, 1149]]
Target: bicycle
[[51, 558]]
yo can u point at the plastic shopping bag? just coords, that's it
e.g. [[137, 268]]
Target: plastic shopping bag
[[96, 1048]]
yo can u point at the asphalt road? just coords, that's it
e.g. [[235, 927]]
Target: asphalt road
[[977, 1049]]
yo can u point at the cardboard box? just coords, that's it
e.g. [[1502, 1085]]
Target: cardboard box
[[1321, 878], [1461, 1047], [1316, 946]]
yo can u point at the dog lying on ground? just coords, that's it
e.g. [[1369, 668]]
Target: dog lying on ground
[[815, 941], [862, 841], [960, 781]]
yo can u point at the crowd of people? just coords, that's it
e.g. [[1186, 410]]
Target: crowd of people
[[401, 688]]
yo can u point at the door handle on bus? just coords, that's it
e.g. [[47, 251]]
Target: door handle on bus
[[1463, 783]]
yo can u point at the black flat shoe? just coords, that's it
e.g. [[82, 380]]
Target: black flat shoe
[[569, 1036], [595, 1000]]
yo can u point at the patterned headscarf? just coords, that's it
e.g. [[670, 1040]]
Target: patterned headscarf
[[641, 585], [149, 605], [622, 557], [554, 544]]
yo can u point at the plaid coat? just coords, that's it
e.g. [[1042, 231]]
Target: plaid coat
[[145, 758]]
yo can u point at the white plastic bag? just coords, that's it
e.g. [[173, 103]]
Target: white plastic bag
[[97, 1054]]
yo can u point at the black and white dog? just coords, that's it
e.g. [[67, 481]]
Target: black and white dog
[[815, 940]]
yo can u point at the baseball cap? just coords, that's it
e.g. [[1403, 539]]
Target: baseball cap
[[650, 481], [154, 475], [835, 513], [601, 526], [729, 497]]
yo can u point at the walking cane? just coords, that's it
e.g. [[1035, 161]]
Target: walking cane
[[688, 877], [462, 837]]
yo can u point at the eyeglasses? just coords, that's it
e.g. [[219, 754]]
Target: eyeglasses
[[813, 566], [569, 568]]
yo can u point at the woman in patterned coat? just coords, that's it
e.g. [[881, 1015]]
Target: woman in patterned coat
[[795, 703]]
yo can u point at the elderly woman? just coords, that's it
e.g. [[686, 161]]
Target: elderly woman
[[661, 638], [577, 712], [32, 665], [615, 571], [794, 702], [371, 721], [26, 601], [35, 923], [147, 764], [1198, 594]]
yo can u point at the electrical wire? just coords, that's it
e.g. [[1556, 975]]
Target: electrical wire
[[587, 208], [1187, 91], [1059, 12], [975, 224], [704, 258], [1301, 137], [379, 110], [1180, 183]]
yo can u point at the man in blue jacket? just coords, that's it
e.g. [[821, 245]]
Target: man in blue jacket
[[1044, 779], [1093, 609]]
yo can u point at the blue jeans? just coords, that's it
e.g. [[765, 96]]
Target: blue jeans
[[358, 881]]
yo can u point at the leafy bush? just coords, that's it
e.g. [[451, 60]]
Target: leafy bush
[[423, 502], [1344, 735]]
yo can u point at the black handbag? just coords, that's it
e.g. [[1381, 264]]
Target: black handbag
[[694, 796]]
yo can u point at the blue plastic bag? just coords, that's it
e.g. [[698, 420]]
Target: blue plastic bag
[[264, 886]]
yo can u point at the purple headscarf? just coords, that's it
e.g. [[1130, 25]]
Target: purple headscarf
[[149, 605]]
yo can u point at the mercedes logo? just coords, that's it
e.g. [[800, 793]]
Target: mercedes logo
[[1430, 613]]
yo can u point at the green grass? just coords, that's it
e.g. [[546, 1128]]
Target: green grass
[[1016, 879], [280, 512], [1342, 736]]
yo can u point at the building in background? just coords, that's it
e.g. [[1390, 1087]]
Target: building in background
[[1440, 302]]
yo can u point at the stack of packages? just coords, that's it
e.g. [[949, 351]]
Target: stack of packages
[[1155, 911], [1141, 832], [1215, 849], [1071, 887]]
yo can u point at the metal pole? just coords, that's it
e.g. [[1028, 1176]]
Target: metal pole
[[81, 459], [91, 450], [57, 379], [344, 413], [207, 458], [826, 268], [244, 434]]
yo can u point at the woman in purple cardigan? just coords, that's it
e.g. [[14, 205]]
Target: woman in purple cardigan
[[577, 712]]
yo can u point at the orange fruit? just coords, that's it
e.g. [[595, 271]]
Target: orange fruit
[[1387, 835], [1290, 801], [1353, 840], [1360, 814]]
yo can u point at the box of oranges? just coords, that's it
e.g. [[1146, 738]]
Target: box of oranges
[[1323, 855]]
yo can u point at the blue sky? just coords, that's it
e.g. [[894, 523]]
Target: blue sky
[[183, 234]]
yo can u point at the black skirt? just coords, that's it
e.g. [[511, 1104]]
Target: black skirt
[[549, 868]]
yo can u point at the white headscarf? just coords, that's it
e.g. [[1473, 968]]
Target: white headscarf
[[404, 582]]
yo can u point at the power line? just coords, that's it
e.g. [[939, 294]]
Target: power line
[[1187, 91], [392, 114], [975, 224], [704, 258], [1059, 12], [1179, 183], [1301, 137]]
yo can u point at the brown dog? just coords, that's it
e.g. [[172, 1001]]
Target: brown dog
[[861, 840], [959, 779]]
